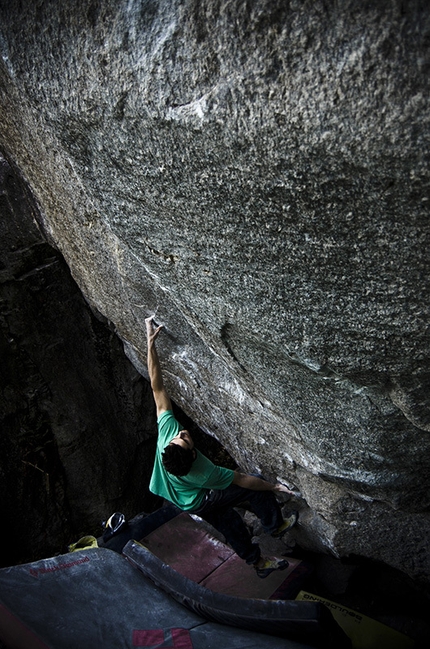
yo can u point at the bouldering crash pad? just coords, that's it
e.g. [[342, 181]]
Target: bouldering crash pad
[[96, 598], [301, 621], [186, 545]]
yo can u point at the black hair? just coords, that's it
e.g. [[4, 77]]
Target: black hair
[[178, 460]]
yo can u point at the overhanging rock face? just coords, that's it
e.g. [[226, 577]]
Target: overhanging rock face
[[257, 174]]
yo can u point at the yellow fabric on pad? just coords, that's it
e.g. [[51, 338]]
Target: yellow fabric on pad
[[85, 543], [363, 632]]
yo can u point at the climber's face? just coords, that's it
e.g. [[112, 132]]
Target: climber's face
[[184, 439]]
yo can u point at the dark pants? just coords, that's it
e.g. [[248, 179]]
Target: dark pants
[[218, 510]]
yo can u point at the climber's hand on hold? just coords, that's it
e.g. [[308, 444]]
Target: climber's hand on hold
[[151, 333], [280, 488]]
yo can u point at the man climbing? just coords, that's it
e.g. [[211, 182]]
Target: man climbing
[[189, 480]]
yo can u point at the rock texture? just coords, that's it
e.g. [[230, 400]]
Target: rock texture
[[256, 172], [75, 415]]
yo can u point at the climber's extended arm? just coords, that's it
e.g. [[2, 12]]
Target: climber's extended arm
[[162, 399], [257, 484]]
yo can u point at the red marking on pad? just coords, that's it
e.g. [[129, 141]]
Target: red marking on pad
[[148, 637], [155, 638]]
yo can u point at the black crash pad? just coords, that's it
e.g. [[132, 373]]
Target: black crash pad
[[96, 598], [290, 619]]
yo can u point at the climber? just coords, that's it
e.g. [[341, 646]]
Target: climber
[[189, 480]]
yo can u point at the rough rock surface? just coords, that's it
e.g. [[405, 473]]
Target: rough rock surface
[[257, 173], [75, 416]]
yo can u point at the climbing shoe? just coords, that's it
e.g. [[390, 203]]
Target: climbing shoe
[[288, 523], [269, 566]]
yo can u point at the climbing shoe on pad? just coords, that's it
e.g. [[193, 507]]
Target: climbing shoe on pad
[[269, 566]]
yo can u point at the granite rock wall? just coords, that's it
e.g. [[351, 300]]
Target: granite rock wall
[[256, 173]]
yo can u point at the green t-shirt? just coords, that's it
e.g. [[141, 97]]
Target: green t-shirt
[[186, 492]]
